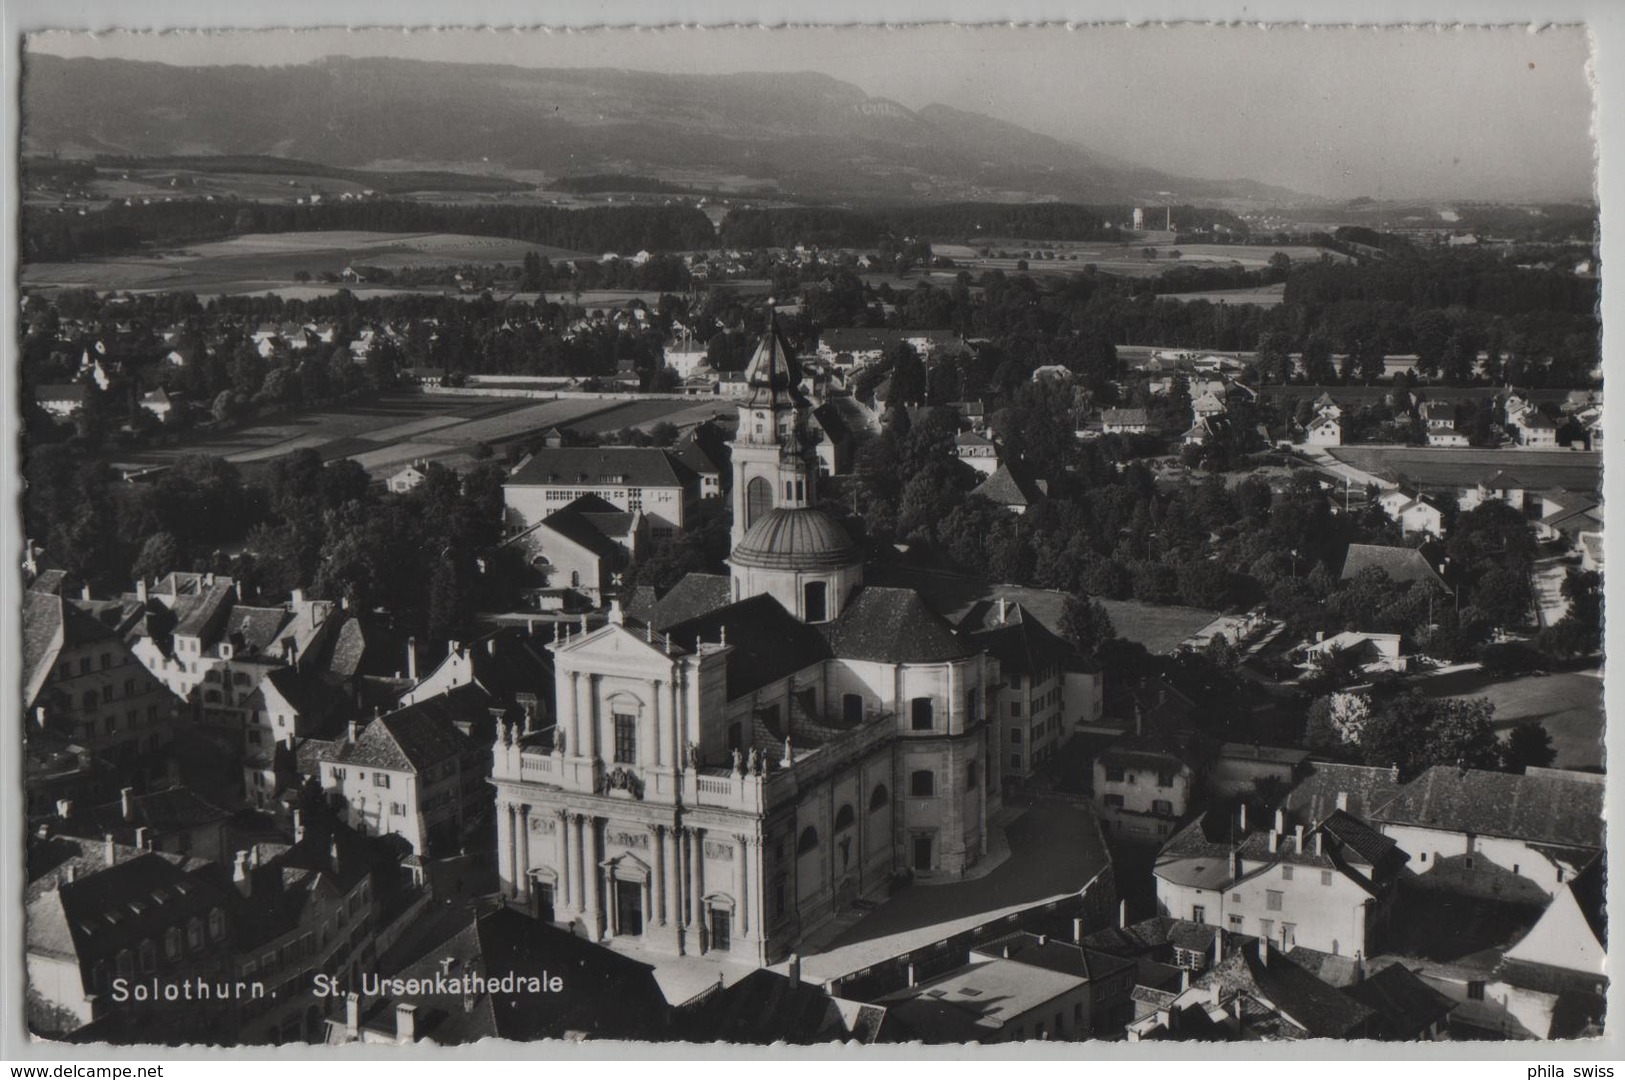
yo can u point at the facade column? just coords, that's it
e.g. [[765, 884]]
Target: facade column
[[595, 908], [513, 855], [522, 881], [687, 881], [593, 718], [562, 844], [741, 886], [654, 729], [697, 853], [981, 794], [575, 714], [578, 821], [658, 848], [674, 886]]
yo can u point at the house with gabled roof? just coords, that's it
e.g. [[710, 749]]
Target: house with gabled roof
[[1494, 834], [630, 478], [1010, 488], [1401, 564], [1287, 879]]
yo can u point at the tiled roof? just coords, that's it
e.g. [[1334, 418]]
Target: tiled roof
[[1405, 1006], [1353, 835], [892, 626], [1005, 489], [1546, 808], [1066, 957], [1320, 1010], [1021, 642], [597, 466], [1315, 796], [117, 907], [407, 740], [576, 524], [694, 595], [768, 1007], [1401, 564]]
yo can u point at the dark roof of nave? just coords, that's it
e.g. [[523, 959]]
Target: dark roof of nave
[[894, 626], [694, 595], [769, 643]]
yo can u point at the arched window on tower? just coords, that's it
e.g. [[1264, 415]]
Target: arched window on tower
[[758, 500], [815, 601]]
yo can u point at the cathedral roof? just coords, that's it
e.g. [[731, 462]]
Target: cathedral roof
[[892, 626], [796, 538], [769, 643], [774, 375]]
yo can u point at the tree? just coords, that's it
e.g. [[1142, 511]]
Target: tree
[[1317, 360], [1337, 722], [1274, 356], [160, 555], [1528, 743], [1416, 733], [1086, 624]]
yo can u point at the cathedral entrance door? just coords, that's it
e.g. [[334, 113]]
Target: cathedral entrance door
[[628, 908]]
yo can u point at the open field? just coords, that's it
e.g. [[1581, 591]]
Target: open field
[[1125, 259], [1268, 296], [1567, 704], [264, 261], [1442, 467], [394, 429]]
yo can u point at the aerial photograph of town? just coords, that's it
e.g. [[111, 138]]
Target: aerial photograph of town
[[927, 536]]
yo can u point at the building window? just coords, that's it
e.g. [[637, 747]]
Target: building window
[[148, 955], [852, 709], [1286, 872], [1272, 899], [844, 817], [1235, 924], [1325, 877], [626, 739], [758, 500], [1015, 761], [922, 852], [1015, 680], [815, 601], [922, 784], [920, 710], [1198, 913], [1015, 708], [380, 779], [1475, 991], [1289, 935], [194, 934], [107, 661], [1162, 806], [808, 841], [1266, 928], [172, 943], [1015, 736], [1114, 801], [878, 798], [1114, 774]]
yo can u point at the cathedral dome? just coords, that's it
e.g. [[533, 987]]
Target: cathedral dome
[[796, 538]]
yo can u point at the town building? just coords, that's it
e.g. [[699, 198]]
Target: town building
[[1143, 787], [1497, 835], [84, 685], [61, 400], [1329, 885], [629, 478], [977, 451], [406, 479], [583, 545], [1324, 430], [729, 782], [1048, 691], [1125, 421]]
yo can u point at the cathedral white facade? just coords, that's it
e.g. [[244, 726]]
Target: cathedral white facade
[[762, 750]]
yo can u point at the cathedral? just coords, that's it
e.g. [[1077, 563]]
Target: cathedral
[[757, 751]]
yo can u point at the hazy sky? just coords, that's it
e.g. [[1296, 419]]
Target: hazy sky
[[1465, 113]]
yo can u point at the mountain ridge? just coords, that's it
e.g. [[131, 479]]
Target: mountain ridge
[[806, 132]]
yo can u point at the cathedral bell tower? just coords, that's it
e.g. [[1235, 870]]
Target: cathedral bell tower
[[782, 544]]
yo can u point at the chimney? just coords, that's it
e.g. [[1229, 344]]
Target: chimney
[[406, 1030], [795, 967], [1300, 839], [355, 729], [1043, 939], [297, 597], [912, 980], [1184, 979], [141, 589], [1280, 821], [352, 1015], [1214, 990], [412, 658], [1005, 952], [1275, 841], [64, 808], [126, 802], [1319, 849], [1077, 931], [1122, 914], [298, 826], [73, 873], [84, 592], [1343, 800], [333, 853], [240, 876], [143, 838], [1003, 611], [491, 645], [109, 852], [1244, 818], [1264, 952]]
